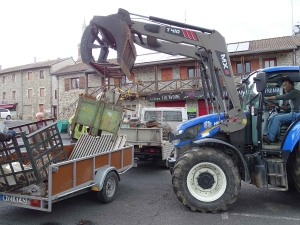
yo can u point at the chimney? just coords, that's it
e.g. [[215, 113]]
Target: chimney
[[34, 60], [0, 67]]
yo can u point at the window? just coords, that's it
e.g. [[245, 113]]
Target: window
[[187, 72], [247, 67], [75, 83], [104, 81], [191, 72], [3, 79], [42, 92], [30, 76], [14, 78], [3, 96], [41, 74], [41, 107], [29, 93], [125, 80], [55, 94], [166, 74], [14, 95], [172, 116], [270, 62]]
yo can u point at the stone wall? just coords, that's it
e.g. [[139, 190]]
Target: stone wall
[[67, 99]]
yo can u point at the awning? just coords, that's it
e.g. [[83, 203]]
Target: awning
[[8, 106]]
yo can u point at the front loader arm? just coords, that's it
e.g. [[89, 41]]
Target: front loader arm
[[206, 46]]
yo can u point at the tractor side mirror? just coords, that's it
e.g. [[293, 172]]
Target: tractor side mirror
[[261, 81]]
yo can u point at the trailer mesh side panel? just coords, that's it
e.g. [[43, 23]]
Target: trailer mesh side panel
[[25, 159], [88, 145]]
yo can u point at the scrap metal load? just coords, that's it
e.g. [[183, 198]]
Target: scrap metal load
[[99, 114], [25, 160]]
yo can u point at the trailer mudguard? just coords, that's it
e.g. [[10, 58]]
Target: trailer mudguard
[[234, 149], [291, 137], [100, 176]]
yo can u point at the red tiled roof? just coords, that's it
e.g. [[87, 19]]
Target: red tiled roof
[[269, 45], [32, 65]]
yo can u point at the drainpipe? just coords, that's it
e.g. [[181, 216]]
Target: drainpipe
[[294, 57], [51, 94], [22, 98], [86, 83], [57, 77]]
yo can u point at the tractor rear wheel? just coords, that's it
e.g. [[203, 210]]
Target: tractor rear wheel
[[206, 180], [295, 170]]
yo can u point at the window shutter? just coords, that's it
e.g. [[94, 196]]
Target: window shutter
[[233, 65], [67, 84], [183, 72], [166, 74], [254, 64], [81, 82], [131, 77]]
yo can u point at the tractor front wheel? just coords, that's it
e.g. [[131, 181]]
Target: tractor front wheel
[[206, 180]]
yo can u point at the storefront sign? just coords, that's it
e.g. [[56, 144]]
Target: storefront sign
[[176, 96], [271, 90]]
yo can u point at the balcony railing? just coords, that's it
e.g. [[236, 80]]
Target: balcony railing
[[145, 88], [166, 86]]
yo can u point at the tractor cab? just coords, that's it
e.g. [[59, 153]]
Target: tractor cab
[[252, 101]]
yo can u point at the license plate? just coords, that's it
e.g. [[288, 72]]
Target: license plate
[[8, 198]]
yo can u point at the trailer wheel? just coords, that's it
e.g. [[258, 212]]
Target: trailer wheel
[[206, 180], [109, 189], [295, 170]]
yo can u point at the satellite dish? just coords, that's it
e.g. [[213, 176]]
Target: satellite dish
[[296, 29]]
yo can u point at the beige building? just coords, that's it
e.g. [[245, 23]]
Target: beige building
[[31, 88]]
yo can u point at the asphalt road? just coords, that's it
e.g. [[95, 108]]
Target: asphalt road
[[145, 196]]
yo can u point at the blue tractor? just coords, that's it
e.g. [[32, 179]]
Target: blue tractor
[[213, 153], [208, 164]]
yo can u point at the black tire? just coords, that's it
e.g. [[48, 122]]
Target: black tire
[[109, 189], [204, 165], [295, 170], [8, 117]]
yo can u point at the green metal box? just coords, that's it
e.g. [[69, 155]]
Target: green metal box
[[98, 115]]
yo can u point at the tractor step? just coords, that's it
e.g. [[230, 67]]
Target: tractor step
[[277, 176]]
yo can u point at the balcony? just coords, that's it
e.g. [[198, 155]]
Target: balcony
[[144, 88]]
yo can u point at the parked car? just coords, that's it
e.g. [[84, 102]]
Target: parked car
[[5, 114]]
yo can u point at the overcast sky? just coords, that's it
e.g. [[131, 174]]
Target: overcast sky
[[52, 29]]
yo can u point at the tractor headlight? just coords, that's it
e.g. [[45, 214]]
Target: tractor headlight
[[178, 132]]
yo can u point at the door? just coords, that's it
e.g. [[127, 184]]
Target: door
[[201, 107]]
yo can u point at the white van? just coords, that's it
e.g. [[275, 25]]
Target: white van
[[170, 115]]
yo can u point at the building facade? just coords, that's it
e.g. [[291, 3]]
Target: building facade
[[175, 82], [160, 80], [31, 88]]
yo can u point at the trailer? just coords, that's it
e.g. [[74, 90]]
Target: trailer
[[35, 174], [148, 143]]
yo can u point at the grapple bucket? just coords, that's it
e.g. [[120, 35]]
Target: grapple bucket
[[108, 32]]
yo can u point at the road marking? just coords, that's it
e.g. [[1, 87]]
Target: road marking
[[262, 216], [225, 216]]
